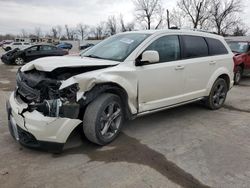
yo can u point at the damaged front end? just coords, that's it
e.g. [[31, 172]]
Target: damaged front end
[[40, 90]]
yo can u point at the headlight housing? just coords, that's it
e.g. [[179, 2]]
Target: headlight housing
[[69, 93]]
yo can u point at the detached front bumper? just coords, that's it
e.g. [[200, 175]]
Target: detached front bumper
[[33, 129]]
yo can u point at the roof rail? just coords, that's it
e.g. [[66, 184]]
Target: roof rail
[[200, 30]]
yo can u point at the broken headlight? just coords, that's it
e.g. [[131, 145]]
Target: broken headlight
[[69, 93], [65, 106]]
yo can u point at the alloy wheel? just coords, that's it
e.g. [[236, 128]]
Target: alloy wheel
[[110, 120], [220, 93], [19, 61]]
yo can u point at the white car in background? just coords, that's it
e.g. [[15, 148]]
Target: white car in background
[[123, 77], [18, 45]]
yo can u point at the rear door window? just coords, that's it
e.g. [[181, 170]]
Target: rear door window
[[46, 48], [216, 47], [194, 46]]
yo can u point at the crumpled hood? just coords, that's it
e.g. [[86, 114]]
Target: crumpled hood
[[49, 64]]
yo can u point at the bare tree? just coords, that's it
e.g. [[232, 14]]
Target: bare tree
[[54, 32], [111, 25], [224, 14], [176, 18], [240, 30], [24, 33], [38, 32], [59, 31], [70, 33], [67, 32], [99, 31], [148, 11], [196, 10], [82, 30], [159, 18], [126, 27]]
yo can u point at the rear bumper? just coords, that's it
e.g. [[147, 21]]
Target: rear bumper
[[33, 129]]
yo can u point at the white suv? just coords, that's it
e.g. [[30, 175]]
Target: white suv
[[18, 45], [125, 76]]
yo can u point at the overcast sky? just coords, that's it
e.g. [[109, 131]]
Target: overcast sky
[[28, 14]]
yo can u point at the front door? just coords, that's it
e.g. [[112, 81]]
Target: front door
[[161, 84], [32, 53]]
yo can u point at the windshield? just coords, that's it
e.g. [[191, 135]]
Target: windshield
[[239, 47], [116, 48]]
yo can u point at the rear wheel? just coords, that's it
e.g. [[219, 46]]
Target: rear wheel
[[238, 75], [8, 49], [19, 61], [103, 119], [217, 94]]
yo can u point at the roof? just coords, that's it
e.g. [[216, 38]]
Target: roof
[[178, 31]]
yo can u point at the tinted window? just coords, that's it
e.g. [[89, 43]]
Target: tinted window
[[216, 47], [33, 48], [168, 48], [46, 48], [26, 44], [17, 43], [194, 46]]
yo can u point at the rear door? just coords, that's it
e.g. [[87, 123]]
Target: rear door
[[47, 50], [198, 66], [203, 57]]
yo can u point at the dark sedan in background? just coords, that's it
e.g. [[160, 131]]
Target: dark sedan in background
[[20, 57]]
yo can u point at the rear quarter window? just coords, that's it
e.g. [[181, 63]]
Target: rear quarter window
[[194, 46], [216, 47]]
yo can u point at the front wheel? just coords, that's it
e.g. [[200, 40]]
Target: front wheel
[[103, 119], [217, 95]]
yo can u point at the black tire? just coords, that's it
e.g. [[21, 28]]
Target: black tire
[[217, 95], [19, 61], [238, 75], [7, 49], [102, 123]]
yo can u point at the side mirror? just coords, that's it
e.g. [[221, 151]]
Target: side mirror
[[150, 56]]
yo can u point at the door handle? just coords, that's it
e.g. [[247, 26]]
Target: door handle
[[212, 62], [179, 67]]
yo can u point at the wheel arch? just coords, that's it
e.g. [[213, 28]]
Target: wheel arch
[[226, 78], [220, 73], [107, 87]]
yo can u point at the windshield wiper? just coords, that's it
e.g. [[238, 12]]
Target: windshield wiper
[[93, 56]]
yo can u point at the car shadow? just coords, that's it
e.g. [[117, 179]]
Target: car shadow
[[131, 150]]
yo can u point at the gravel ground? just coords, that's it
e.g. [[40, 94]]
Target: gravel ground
[[188, 146]]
